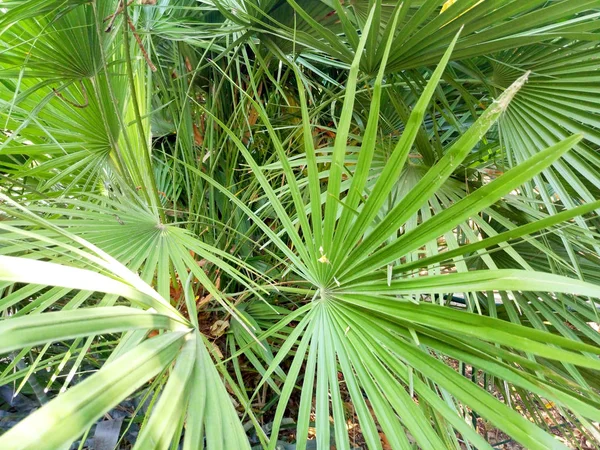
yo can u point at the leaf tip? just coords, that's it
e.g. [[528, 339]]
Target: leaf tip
[[506, 97]]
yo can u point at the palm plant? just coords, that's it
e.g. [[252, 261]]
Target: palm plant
[[238, 215]]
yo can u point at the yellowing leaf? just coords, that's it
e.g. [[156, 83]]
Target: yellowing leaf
[[447, 5], [323, 259]]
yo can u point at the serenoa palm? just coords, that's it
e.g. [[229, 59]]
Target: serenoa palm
[[78, 155], [93, 296], [364, 279], [367, 321]]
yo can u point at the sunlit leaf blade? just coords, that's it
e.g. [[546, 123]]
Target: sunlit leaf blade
[[39, 329], [54, 425]]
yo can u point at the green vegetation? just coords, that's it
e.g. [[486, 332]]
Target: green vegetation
[[300, 224]]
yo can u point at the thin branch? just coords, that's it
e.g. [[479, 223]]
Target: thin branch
[[114, 15], [120, 8], [141, 45], [72, 103]]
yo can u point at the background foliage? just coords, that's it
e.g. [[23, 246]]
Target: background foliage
[[299, 224]]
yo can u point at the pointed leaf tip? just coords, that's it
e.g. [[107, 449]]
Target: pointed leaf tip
[[506, 97]]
